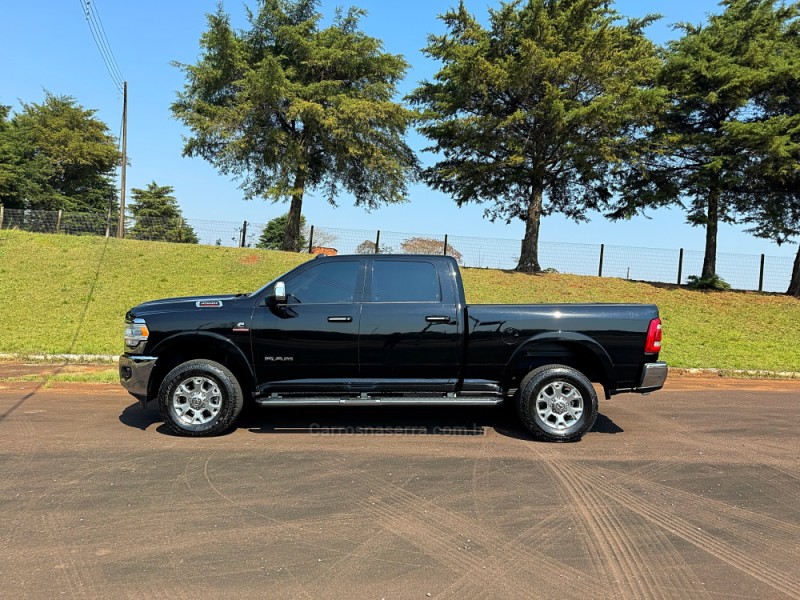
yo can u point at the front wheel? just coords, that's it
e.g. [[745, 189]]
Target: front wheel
[[556, 403], [200, 398]]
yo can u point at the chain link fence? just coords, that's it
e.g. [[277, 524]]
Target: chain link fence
[[741, 271]]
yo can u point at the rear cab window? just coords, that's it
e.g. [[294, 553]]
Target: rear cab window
[[404, 281]]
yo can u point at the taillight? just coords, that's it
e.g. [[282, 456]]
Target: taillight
[[653, 343]]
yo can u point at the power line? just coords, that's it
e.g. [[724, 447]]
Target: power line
[[101, 41], [102, 45], [93, 7], [100, 38], [104, 37]]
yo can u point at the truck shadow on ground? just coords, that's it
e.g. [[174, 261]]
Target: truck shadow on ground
[[343, 421]]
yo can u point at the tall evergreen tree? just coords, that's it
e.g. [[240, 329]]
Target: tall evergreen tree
[[715, 77], [287, 107], [157, 216], [14, 172], [66, 156], [534, 113], [777, 214], [770, 200]]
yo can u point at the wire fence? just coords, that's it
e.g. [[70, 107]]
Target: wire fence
[[675, 266]]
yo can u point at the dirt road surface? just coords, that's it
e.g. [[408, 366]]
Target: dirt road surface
[[688, 493]]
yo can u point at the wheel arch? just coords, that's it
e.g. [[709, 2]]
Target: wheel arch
[[184, 347], [567, 348]]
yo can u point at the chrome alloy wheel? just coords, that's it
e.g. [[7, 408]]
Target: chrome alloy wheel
[[196, 400], [559, 405]]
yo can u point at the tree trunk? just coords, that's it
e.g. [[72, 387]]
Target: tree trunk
[[291, 236], [794, 284], [529, 255], [710, 259]]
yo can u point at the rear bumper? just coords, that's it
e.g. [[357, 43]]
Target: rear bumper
[[134, 374], [653, 377]]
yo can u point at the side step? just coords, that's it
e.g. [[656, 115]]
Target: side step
[[379, 401]]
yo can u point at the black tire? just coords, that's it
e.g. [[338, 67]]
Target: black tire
[[200, 398], [556, 403]]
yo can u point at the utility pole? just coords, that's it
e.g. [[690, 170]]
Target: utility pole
[[121, 228]]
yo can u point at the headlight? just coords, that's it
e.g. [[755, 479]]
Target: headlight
[[136, 332]]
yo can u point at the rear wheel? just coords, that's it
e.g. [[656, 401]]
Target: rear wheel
[[556, 403], [200, 398]]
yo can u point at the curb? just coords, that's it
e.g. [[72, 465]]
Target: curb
[[77, 359], [737, 373]]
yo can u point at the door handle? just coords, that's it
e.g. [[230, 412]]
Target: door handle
[[340, 319], [437, 319]]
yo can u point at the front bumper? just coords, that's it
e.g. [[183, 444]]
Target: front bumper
[[653, 377], [134, 374]]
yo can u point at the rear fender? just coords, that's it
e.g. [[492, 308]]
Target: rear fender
[[571, 340]]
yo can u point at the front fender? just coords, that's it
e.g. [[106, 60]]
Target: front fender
[[196, 340]]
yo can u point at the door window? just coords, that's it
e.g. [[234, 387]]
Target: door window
[[324, 283], [404, 281]]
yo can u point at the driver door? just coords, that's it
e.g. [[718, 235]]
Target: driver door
[[310, 342]]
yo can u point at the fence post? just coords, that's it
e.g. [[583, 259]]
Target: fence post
[[761, 275], [310, 239], [680, 266], [244, 233], [600, 268], [377, 242], [445, 244], [2, 208], [58, 221]]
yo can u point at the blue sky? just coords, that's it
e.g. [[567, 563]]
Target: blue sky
[[48, 45]]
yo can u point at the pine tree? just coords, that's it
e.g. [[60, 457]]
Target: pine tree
[[287, 107], [716, 78], [157, 216], [534, 113]]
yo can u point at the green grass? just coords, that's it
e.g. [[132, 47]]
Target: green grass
[[69, 294], [61, 294]]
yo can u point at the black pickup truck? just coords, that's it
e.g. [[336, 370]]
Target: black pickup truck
[[385, 329]]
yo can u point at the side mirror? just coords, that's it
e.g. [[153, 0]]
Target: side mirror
[[280, 292]]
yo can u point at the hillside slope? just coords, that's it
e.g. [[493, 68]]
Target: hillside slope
[[61, 294]]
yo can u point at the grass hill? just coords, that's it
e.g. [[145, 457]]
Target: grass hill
[[63, 294]]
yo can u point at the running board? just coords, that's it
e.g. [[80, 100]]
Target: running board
[[380, 401]]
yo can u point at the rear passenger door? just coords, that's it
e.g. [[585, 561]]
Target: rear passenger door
[[409, 328]]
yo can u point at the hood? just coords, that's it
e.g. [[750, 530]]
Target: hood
[[204, 303]]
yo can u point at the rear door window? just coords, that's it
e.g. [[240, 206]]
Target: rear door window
[[404, 281]]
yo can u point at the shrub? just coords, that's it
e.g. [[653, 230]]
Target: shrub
[[714, 283]]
